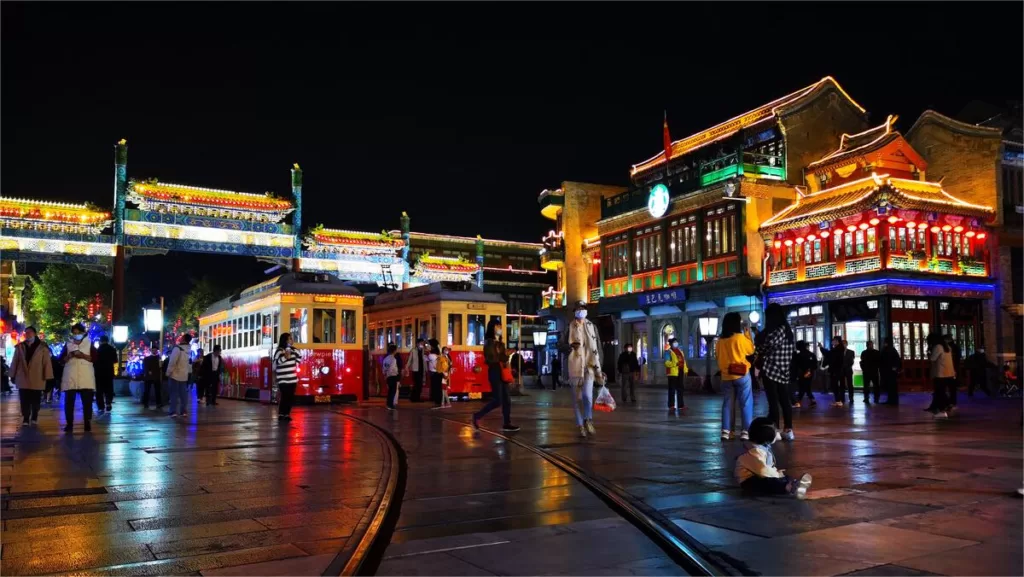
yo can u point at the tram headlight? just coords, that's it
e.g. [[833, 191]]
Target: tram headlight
[[325, 370]]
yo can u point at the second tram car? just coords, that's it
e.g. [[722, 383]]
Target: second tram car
[[456, 314], [324, 317]]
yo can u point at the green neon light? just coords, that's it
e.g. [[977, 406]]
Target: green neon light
[[775, 172]]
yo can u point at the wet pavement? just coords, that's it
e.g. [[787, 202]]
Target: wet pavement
[[233, 492]]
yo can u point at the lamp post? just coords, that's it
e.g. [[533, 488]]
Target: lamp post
[[708, 330], [540, 341], [153, 321], [120, 337]]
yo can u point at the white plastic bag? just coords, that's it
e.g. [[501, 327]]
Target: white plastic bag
[[604, 402]]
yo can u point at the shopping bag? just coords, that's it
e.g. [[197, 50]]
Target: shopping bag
[[604, 402]]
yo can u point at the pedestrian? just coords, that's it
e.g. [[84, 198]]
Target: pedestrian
[[177, 377], [153, 377], [556, 371], [79, 378], [286, 375], [889, 371], [585, 333], [954, 385], [416, 367], [31, 369], [755, 469], [675, 369], [870, 363], [197, 376], [5, 379], [446, 368], [804, 364], [106, 359], [834, 359], [977, 366], [734, 351], [389, 367], [52, 392], [515, 362], [629, 372], [435, 376], [777, 352], [849, 357], [497, 360], [942, 372], [211, 369], [582, 396]]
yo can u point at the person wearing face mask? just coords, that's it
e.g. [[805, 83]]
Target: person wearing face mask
[[584, 332], [629, 372], [79, 379], [496, 358], [31, 368], [675, 368], [417, 368]]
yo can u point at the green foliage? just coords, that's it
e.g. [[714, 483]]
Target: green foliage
[[60, 285], [203, 294]]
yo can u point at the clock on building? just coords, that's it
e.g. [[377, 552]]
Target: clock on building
[[657, 200]]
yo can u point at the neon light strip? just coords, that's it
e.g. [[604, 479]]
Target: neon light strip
[[182, 232], [33, 203], [472, 240], [875, 282], [167, 185], [844, 137]]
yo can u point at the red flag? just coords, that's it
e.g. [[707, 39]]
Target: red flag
[[666, 139]]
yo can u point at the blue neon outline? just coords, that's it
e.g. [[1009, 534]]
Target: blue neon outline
[[872, 282]]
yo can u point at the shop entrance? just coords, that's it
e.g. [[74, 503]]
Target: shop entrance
[[857, 334], [637, 336]]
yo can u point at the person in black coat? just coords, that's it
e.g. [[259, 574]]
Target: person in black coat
[[556, 371], [210, 371], [870, 361], [629, 371], [889, 369], [153, 376], [954, 383], [977, 366], [849, 358], [803, 366], [103, 369], [835, 361]]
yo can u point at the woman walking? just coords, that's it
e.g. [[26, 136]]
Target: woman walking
[[31, 368], [79, 379], [777, 352], [943, 374], [734, 350], [496, 359], [390, 369], [434, 375], [286, 375]]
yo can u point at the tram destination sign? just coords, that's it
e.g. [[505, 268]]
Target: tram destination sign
[[664, 297]]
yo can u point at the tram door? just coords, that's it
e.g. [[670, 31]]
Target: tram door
[[857, 334]]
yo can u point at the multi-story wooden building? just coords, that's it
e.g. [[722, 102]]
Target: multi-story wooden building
[[873, 249]]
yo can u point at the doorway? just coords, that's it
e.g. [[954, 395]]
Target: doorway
[[857, 334]]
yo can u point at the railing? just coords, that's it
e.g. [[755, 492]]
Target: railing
[[904, 262], [552, 259], [973, 269], [864, 264], [820, 270], [778, 277]]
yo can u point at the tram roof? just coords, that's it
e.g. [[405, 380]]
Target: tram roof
[[439, 291], [300, 283]]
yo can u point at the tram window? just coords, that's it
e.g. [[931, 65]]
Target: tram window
[[454, 329], [424, 331], [408, 333], [325, 326], [476, 325], [348, 326], [297, 325], [389, 333]]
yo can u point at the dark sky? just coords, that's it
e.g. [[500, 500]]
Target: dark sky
[[458, 113]]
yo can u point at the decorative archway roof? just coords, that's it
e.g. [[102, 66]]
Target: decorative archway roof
[[17, 213], [155, 195], [869, 147]]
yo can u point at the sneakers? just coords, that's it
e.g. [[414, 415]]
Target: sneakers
[[88, 426], [744, 436], [476, 423], [583, 432], [589, 423], [837, 404], [24, 423], [942, 415], [801, 486], [725, 435], [797, 405], [173, 415], [788, 435], [34, 423], [814, 403], [67, 429], [183, 415], [510, 428]]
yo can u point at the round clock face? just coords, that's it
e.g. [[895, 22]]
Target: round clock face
[[657, 201]]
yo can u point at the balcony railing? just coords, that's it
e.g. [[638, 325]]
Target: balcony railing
[[552, 258]]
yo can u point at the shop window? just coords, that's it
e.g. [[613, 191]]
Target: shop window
[[668, 332], [325, 327], [647, 250], [849, 243], [720, 232], [616, 263]]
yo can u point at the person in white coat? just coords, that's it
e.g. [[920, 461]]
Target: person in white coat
[[584, 367], [178, 366], [79, 379]]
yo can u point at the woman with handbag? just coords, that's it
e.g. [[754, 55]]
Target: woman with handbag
[[734, 350], [499, 375]]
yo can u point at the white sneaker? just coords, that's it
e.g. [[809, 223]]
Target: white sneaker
[[725, 435], [797, 405], [837, 404], [788, 435], [583, 432], [590, 427], [802, 485], [942, 415], [744, 436]]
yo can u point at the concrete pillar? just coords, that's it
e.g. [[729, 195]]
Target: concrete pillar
[[405, 250], [480, 265], [297, 215], [120, 191]]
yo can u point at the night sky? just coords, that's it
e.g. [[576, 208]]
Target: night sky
[[459, 114]]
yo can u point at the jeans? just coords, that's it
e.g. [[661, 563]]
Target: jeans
[[145, 394], [871, 378], [628, 379], [284, 407], [392, 399], [499, 396], [675, 392], [778, 395], [739, 391], [767, 485], [583, 394], [69, 404], [179, 396], [30, 401]]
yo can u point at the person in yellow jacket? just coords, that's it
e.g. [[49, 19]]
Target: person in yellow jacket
[[675, 368]]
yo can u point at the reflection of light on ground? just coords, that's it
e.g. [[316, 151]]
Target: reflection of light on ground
[[555, 498]]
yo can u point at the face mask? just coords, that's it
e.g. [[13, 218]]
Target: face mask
[[675, 345], [77, 337], [629, 350], [581, 314]]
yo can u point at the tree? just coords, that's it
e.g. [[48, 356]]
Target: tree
[[63, 295], [203, 294]]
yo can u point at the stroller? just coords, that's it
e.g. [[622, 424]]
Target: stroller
[[1008, 387]]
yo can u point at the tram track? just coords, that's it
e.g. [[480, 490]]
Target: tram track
[[362, 553], [680, 546]]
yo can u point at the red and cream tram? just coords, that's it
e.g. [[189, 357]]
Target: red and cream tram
[[323, 316], [454, 313]]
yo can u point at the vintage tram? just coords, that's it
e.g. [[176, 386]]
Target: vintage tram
[[324, 317], [454, 313]]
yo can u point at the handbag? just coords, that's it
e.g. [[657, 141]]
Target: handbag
[[738, 369], [506, 375]]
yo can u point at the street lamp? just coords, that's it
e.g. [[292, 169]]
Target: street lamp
[[153, 321], [708, 330], [540, 341], [120, 336]]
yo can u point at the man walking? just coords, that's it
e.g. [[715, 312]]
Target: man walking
[[870, 361], [629, 372], [106, 358], [849, 357], [177, 377], [889, 370], [210, 371], [153, 377], [977, 366], [417, 368], [556, 371], [834, 361]]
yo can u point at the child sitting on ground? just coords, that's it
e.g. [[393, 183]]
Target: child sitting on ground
[[755, 469]]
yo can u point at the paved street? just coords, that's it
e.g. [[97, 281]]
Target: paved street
[[233, 492]]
